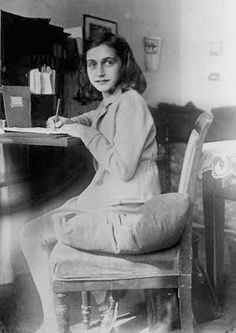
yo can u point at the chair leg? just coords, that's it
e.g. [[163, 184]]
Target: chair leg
[[63, 313], [150, 307], [85, 308], [188, 324], [161, 305]]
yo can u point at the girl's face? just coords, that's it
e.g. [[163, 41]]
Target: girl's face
[[103, 68]]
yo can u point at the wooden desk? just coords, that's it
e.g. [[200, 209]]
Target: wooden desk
[[33, 170], [38, 140], [218, 164], [35, 159]]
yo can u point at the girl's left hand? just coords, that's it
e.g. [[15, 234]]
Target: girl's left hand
[[74, 129]]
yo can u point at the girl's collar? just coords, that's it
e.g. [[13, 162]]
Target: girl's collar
[[111, 99]]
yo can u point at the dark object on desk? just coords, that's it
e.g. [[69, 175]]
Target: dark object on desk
[[223, 125], [43, 107], [17, 106]]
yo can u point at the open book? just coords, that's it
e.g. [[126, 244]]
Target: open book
[[34, 130]]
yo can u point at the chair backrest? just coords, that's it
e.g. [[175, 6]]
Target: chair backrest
[[179, 120], [188, 177], [187, 185]]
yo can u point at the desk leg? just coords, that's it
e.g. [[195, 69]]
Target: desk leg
[[213, 209], [13, 197], [219, 235]]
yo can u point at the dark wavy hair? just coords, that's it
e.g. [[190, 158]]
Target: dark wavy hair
[[131, 75]]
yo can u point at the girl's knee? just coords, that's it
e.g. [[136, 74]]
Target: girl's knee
[[34, 232], [28, 236], [25, 232]]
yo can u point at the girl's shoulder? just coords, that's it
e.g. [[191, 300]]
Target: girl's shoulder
[[131, 98]]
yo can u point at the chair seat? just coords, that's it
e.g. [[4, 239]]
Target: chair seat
[[70, 264]]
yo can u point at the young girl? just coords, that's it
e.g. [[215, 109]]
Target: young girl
[[120, 134]]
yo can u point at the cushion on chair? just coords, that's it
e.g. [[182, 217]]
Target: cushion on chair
[[70, 264], [158, 225]]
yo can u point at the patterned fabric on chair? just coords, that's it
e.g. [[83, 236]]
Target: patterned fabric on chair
[[74, 270]]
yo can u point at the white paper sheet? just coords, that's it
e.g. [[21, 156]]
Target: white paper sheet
[[36, 130]]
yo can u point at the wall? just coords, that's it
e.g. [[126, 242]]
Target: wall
[[186, 26], [203, 22]]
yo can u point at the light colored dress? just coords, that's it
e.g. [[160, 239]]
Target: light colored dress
[[121, 138], [120, 134]]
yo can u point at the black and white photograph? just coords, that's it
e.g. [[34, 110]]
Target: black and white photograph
[[117, 166]]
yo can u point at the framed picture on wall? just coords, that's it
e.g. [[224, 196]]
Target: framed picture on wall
[[92, 24]]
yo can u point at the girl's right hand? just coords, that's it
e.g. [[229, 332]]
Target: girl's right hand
[[52, 123]]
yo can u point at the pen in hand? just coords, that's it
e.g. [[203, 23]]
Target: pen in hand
[[57, 110]]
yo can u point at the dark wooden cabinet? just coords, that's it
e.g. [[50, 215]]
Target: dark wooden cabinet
[[28, 43]]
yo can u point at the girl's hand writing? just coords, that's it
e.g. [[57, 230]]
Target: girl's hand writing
[[52, 123], [72, 129]]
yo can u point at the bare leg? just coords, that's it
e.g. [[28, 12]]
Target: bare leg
[[31, 237], [108, 312], [99, 296]]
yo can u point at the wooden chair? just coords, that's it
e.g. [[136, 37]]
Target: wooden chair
[[74, 270]]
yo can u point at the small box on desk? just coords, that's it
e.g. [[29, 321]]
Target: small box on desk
[[42, 107]]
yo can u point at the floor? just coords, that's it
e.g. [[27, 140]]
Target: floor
[[20, 308], [21, 311]]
